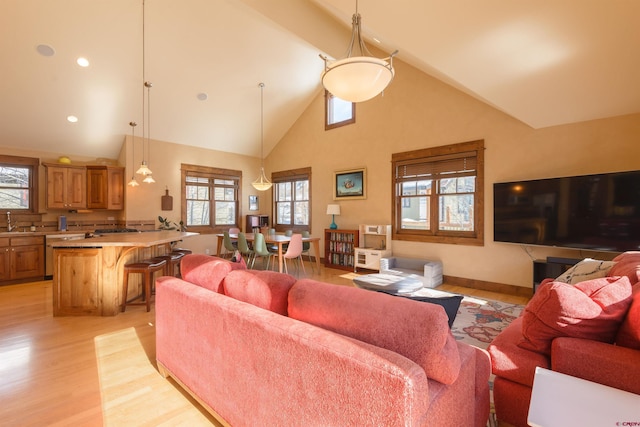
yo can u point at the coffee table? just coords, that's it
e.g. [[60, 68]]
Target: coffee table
[[411, 286], [390, 283]]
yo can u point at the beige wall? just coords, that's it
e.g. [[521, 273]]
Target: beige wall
[[418, 111], [415, 112], [164, 159]]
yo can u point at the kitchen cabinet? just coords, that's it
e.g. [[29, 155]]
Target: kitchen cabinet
[[105, 187], [76, 282], [66, 186], [21, 258]]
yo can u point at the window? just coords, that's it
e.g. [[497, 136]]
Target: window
[[438, 194], [337, 112], [292, 199], [19, 184], [211, 198]]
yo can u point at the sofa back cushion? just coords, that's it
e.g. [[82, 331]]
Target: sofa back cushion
[[629, 332], [627, 264], [416, 330], [207, 271], [591, 310], [264, 289]]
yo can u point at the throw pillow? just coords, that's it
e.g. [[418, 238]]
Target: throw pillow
[[590, 310], [586, 269], [627, 264]]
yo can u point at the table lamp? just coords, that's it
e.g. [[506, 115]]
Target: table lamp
[[333, 210]]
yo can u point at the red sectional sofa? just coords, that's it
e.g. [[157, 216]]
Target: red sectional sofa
[[262, 348], [589, 330]]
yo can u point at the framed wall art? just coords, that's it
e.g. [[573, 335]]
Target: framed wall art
[[350, 184], [253, 203]]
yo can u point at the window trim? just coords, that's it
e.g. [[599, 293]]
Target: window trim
[[209, 172], [475, 238], [34, 164], [290, 176], [328, 96]]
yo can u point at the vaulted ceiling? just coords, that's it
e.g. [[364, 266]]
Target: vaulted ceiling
[[544, 63]]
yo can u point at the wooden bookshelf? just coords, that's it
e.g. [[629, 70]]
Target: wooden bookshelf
[[339, 247]]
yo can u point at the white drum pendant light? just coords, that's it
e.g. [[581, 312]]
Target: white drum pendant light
[[357, 78]]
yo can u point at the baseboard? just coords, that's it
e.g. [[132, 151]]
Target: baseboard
[[488, 286]]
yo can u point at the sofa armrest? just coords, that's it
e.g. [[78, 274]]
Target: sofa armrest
[[603, 363]]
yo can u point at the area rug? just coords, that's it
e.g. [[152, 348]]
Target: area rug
[[479, 321]]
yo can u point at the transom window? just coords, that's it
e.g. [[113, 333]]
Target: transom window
[[338, 112], [438, 194], [211, 198], [19, 184], [292, 199]]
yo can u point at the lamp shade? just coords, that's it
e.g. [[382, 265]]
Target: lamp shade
[[333, 209], [358, 78], [262, 183], [143, 169]]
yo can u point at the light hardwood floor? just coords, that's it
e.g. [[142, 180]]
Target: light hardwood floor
[[92, 371]]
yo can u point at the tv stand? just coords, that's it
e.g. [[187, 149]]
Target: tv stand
[[552, 267]]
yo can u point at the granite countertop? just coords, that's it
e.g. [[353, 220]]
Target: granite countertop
[[141, 239]]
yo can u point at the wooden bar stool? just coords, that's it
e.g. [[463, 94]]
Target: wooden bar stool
[[172, 267], [184, 251], [146, 268]]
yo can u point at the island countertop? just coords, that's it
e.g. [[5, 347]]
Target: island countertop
[[143, 239], [88, 273]]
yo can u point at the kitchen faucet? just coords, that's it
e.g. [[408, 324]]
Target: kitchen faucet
[[9, 226]]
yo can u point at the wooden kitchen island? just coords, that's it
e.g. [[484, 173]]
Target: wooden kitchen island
[[88, 273]]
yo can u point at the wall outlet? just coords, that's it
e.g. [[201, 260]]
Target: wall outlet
[[207, 251]]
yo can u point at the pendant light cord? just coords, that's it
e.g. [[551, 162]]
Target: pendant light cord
[[262, 126], [143, 74]]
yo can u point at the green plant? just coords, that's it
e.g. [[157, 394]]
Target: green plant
[[165, 224]]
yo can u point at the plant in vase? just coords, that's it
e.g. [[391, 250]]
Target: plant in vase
[[166, 224]]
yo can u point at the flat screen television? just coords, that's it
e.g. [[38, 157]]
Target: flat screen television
[[592, 212]]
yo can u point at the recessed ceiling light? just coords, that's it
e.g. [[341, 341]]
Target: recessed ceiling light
[[72, 119], [203, 96], [45, 50], [83, 62]]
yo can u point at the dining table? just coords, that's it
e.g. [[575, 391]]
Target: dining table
[[275, 239]]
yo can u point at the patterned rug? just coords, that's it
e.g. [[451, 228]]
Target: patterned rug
[[479, 321]]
